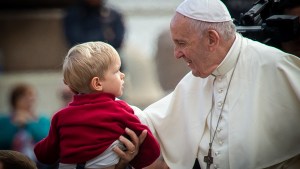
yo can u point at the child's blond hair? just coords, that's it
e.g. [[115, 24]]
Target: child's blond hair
[[85, 61]]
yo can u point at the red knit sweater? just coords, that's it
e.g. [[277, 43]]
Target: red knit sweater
[[88, 126]]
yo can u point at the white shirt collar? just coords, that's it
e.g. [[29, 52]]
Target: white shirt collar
[[230, 59]]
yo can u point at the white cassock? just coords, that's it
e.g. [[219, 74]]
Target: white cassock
[[260, 124]]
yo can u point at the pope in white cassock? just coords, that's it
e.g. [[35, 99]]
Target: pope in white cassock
[[239, 108]]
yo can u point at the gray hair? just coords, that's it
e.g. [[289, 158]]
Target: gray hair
[[226, 29]]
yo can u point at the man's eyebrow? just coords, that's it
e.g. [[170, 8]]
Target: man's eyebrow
[[179, 41]]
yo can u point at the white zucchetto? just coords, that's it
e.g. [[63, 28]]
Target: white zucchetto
[[204, 10]]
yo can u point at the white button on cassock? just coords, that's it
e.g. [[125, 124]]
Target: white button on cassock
[[220, 104]]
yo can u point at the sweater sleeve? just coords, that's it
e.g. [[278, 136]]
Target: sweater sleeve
[[47, 150], [149, 150]]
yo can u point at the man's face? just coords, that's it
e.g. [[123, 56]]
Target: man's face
[[191, 46]]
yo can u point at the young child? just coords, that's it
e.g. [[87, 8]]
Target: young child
[[86, 131]]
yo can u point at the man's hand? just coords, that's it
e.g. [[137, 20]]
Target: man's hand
[[131, 146]]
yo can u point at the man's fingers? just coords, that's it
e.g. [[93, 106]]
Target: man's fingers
[[131, 145], [119, 152], [128, 144], [142, 137], [133, 137]]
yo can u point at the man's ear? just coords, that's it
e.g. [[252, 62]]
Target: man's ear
[[96, 84], [213, 39]]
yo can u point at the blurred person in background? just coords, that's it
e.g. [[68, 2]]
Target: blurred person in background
[[94, 20], [23, 127], [169, 75], [15, 160], [66, 95]]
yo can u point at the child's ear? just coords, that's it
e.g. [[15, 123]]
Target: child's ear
[[96, 84]]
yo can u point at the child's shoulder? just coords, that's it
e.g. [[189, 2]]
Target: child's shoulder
[[124, 105]]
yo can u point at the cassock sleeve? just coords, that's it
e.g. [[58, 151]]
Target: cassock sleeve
[[47, 150]]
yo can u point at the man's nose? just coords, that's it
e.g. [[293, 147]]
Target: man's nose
[[178, 54]]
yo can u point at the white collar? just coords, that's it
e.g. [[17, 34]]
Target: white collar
[[230, 59]]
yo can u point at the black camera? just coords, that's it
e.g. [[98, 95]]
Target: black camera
[[266, 23]]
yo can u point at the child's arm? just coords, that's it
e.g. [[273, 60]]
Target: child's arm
[[149, 150], [131, 146], [47, 150]]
